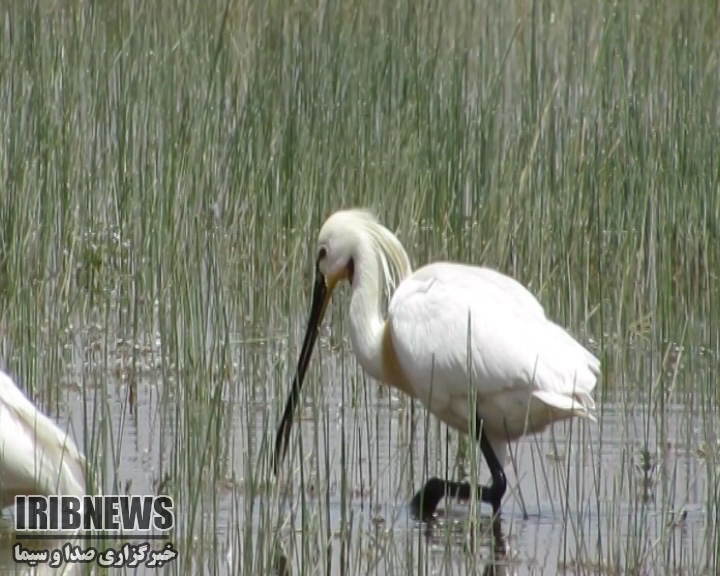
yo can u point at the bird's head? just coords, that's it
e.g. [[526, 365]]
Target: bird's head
[[337, 244], [345, 238]]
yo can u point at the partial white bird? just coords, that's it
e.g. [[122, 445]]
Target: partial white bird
[[36, 457], [461, 339]]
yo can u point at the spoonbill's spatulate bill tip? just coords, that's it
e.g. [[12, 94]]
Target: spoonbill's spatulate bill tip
[[452, 332]]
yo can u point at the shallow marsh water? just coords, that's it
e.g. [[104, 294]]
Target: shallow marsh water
[[164, 172], [633, 488]]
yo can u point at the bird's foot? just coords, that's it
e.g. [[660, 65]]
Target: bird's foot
[[426, 500]]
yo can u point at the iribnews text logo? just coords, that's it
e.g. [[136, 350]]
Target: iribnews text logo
[[106, 513]]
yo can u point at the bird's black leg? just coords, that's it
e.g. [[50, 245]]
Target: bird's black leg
[[425, 502]]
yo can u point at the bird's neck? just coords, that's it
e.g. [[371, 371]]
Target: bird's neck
[[366, 316]]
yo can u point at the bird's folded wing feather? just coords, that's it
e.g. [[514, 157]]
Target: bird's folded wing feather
[[453, 325], [32, 443], [490, 281]]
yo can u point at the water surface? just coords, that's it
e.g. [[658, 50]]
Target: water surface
[[631, 490]]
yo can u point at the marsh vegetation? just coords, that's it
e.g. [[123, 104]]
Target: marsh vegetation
[[165, 167]]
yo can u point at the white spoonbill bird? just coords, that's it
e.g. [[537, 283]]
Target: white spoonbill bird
[[36, 457], [452, 333]]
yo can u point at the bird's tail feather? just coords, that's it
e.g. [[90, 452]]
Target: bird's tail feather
[[572, 405]]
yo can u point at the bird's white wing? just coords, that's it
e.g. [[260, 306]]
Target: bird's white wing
[[34, 452], [473, 277], [453, 325]]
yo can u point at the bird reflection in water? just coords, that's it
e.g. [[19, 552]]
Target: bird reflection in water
[[492, 537]]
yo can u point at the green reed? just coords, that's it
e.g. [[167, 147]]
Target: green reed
[[166, 168]]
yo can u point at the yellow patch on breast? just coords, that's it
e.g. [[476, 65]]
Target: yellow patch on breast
[[393, 374]]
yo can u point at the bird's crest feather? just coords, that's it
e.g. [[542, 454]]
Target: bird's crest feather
[[394, 261]]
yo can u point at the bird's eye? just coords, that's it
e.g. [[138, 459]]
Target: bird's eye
[[322, 253]]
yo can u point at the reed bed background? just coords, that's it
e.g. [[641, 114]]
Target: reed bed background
[[165, 168]]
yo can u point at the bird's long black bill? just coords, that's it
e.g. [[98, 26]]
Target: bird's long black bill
[[320, 298]]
